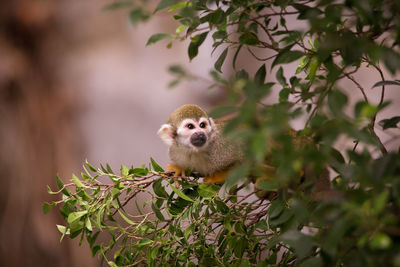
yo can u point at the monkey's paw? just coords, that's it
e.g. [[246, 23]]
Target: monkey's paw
[[178, 171], [216, 178]]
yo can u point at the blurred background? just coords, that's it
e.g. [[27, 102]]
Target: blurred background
[[76, 83]]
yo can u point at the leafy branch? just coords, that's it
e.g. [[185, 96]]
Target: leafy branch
[[180, 221], [268, 212]]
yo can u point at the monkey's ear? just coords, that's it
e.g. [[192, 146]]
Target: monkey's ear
[[212, 122], [166, 134]]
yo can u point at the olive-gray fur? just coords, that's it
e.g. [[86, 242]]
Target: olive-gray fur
[[184, 112], [219, 154]]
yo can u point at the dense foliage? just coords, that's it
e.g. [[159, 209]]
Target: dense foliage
[[354, 223]]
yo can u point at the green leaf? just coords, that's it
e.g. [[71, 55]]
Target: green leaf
[[235, 56], [219, 35], [390, 123], [237, 174], [179, 5], [223, 111], [259, 77], [337, 232], [337, 101], [221, 206], [307, 12], [155, 165], [262, 224], [88, 225], [86, 177], [124, 170], [117, 5], [115, 192], [165, 4], [137, 15], [286, 56], [313, 67], [280, 77], [93, 169], [181, 29], [220, 60], [301, 243], [95, 250], [239, 247], [126, 218], [180, 193], [188, 230], [268, 185], [49, 191], [391, 60], [60, 185], [217, 16], [92, 239], [207, 190], [276, 209], [303, 64], [299, 209], [195, 44], [47, 207], [75, 216], [64, 230], [380, 241], [381, 83], [249, 38], [139, 171], [258, 146], [158, 189], [284, 95], [335, 154], [157, 37], [99, 217], [369, 111], [144, 242], [177, 70], [78, 182], [333, 71], [358, 107], [380, 202], [112, 264], [312, 262], [284, 217], [157, 212]]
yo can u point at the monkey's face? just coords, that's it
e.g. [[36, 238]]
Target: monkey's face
[[191, 133], [194, 133]]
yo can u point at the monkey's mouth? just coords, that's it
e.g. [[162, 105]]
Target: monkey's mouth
[[198, 139]]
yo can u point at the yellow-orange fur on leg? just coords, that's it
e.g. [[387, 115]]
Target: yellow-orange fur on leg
[[178, 171], [216, 178]]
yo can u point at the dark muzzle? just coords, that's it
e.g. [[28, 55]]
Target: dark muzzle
[[198, 139]]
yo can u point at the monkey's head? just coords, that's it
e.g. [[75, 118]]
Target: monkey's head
[[188, 126]]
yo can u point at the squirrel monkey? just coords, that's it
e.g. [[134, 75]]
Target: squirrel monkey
[[196, 143]]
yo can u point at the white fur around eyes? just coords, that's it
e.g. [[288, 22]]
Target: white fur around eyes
[[185, 122], [183, 133]]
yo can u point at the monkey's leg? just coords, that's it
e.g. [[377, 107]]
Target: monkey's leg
[[178, 171], [216, 178]]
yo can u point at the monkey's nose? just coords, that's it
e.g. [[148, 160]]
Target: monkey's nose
[[198, 139]]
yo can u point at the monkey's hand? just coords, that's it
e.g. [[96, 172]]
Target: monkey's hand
[[216, 178], [178, 171]]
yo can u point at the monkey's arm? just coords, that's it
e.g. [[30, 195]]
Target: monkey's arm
[[178, 171], [216, 178]]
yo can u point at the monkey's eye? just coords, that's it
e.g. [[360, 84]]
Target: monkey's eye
[[202, 125], [190, 126]]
